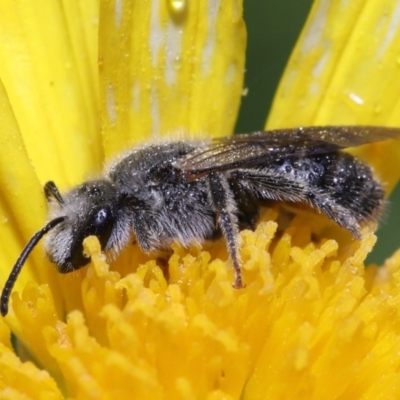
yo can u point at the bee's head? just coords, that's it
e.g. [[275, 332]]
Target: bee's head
[[89, 209]]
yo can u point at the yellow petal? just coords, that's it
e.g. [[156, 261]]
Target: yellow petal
[[343, 71], [20, 380], [49, 113], [173, 66], [20, 192], [49, 70]]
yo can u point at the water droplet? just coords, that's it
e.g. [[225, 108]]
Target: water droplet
[[357, 99], [178, 5], [377, 108], [177, 63]]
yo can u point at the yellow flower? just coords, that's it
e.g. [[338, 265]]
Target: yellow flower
[[311, 323]]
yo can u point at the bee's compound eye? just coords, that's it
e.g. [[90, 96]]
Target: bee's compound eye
[[99, 223]]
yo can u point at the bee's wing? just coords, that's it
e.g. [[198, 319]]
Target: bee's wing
[[259, 148]]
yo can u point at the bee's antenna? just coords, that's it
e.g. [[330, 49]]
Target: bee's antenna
[[51, 190], [5, 295]]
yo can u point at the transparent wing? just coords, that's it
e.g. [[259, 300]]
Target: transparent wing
[[260, 148]]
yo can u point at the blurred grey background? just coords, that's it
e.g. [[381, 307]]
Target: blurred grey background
[[273, 27]]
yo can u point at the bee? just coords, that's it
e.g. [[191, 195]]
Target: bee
[[192, 191]]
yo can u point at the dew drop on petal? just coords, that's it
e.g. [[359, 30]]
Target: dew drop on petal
[[177, 5], [177, 63], [377, 108], [356, 98]]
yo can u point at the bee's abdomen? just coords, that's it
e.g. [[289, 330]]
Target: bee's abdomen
[[347, 181], [353, 185]]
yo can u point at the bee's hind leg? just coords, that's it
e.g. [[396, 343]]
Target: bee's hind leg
[[222, 200]]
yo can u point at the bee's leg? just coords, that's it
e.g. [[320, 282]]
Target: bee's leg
[[147, 231], [248, 209], [222, 200], [268, 184], [342, 215]]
